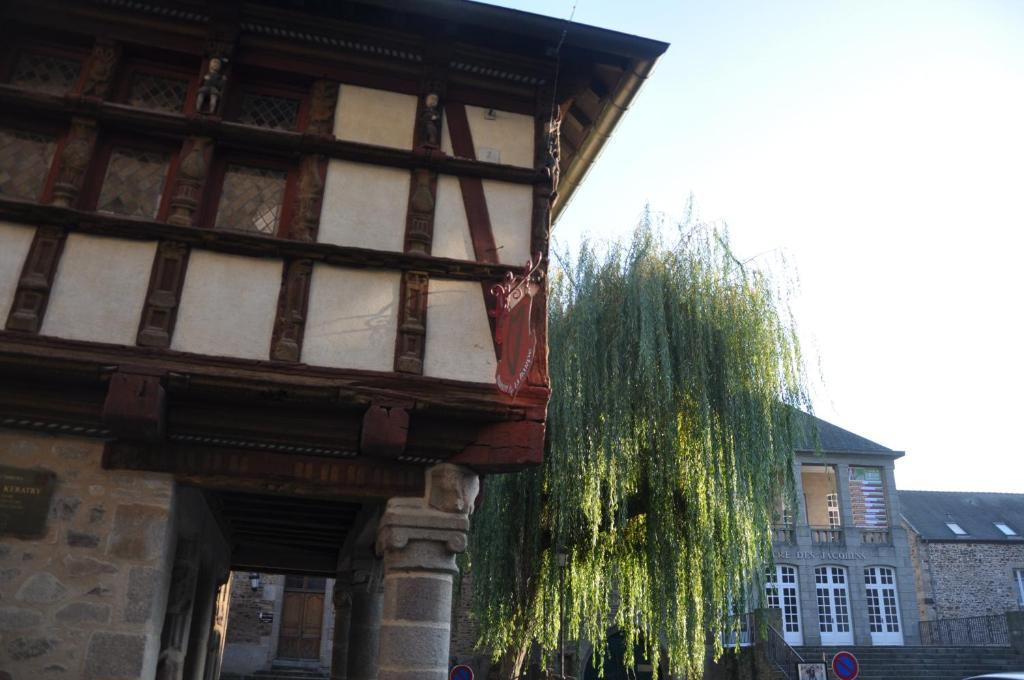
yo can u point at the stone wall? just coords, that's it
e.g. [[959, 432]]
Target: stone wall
[[967, 579], [251, 642], [87, 599], [251, 639]]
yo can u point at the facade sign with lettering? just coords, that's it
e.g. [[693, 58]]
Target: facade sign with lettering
[[819, 556], [24, 501]]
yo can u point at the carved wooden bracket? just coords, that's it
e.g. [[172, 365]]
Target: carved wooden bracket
[[410, 342], [33, 290], [73, 161], [385, 429], [165, 282], [291, 311], [135, 407], [500, 447]]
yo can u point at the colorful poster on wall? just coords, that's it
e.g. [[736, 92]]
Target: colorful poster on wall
[[867, 498]]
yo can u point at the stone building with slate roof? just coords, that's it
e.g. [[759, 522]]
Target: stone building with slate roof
[[968, 551], [842, 573]]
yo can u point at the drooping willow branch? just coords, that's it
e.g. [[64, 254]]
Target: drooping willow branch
[[675, 373]]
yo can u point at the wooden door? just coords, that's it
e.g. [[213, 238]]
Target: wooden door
[[301, 619]]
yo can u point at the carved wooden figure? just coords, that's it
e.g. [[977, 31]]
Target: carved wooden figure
[[321, 110], [100, 72], [430, 121], [308, 199], [209, 94]]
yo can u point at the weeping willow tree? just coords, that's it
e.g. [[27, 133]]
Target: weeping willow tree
[[676, 375]]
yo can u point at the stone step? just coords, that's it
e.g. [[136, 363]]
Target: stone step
[[923, 663]]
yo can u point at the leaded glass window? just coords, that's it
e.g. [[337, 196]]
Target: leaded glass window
[[267, 111], [149, 91], [134, 182], [24, 162], [251, 199], [45, 72]]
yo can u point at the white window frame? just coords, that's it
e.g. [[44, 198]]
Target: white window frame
[[1018, 577], [835, 520]]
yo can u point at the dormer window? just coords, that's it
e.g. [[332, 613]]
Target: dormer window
[[956, 528], [1006, 529]]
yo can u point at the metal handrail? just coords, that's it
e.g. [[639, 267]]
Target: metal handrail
[[971, 631], [780, 653]]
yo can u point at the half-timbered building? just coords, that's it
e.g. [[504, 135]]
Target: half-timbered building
[[272, 293]]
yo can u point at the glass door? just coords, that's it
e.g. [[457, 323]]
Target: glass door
[[883, 606], [833, 606], [783, 593]]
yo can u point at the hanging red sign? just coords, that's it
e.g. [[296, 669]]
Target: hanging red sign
[[513, 332]]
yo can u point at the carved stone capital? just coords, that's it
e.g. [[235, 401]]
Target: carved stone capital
[[414, 536]]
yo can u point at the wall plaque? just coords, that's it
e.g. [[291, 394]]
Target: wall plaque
[[24, 501]]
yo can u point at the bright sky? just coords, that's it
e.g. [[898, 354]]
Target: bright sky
[[879, 147]]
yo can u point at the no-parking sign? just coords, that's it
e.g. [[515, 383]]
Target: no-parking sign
[[461, 672], [845, 666]]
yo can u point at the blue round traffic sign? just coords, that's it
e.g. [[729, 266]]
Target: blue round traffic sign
[[845, 666], [461, 672]]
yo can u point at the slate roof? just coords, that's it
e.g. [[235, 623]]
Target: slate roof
[[928, 511], [834, 439]]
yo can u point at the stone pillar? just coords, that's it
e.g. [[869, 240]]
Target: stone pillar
[[342, 619], [364, 624], [418, 539]]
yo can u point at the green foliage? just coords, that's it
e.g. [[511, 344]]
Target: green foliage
[[675, 373]]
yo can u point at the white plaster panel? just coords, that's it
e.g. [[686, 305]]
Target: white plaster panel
[[446, 138], [507, 138], [15, 241], [228, 305], [451, 229], [375, 116], [364, 206], [99, 289], [352, 319], [459, 342], [510, 207]]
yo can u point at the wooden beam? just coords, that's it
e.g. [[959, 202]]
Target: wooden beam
[[269, 557], [504, 446], [236, 243], [385, 430], [259, 472], [472, 187], [215, 375], [15, 100]]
